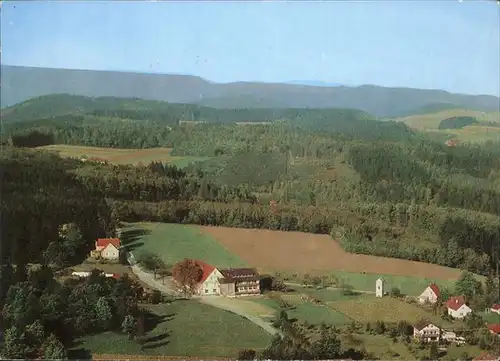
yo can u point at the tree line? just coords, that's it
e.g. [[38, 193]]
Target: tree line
[[42, 316]]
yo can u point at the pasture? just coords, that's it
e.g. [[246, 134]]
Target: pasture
[[368, 308], [174, 242], [184, 328], [286, 252], [122, 156]]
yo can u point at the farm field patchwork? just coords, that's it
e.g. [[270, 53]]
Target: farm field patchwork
[[305, 253], [174, 242], [123, 156], [184, 328]]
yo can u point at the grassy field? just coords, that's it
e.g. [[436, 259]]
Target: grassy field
[[368, 308], [185, 328], [123, 156], [174, 242], [432, 120], [411, 286], [306, 253], [490, 317], [475, 133], [316, 314], [379, 345]]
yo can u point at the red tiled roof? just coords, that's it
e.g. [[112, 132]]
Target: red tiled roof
[[103, 242], [496, 307], [455, 302], [435, 288], [486, 357], [207, 269], [495, 328]]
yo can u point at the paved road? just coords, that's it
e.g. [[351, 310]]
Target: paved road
[[214, 301]]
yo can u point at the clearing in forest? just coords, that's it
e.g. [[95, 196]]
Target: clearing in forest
[[123, 156]]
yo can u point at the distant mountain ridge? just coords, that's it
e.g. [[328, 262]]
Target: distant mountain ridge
[[23, 83]]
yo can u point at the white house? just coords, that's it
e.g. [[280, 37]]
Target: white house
[[430, 294], [231, 282], [457, 307], [426, 331], [380, 288], [495, 308], [451, 336], [81, 274], [107, 248], [209, 283]]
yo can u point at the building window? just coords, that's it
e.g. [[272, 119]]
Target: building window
[[206, 291], [214, 290]]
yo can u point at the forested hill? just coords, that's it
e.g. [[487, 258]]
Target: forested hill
[[62, 106], [22, 83], [376, 186]]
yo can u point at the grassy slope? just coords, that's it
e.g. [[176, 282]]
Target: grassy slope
[[195, 329], [174, 242]]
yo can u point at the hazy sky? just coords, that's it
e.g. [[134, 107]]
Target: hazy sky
[[426, 44]]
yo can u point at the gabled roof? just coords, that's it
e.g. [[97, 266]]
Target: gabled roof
[[207, 269], [422, 324], [455, 302], [496, 306], [435, 288], [495, 328], [103, 242]]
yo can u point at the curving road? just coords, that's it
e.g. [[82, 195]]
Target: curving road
[[215, 301]]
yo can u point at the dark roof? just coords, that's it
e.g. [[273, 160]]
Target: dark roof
[[421, 324], [240, 274]]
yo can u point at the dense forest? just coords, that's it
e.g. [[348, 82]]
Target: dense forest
[[378, 187]]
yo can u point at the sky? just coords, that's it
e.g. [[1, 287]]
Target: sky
[[448, 45]]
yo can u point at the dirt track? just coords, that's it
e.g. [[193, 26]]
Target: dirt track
[[304, 252]]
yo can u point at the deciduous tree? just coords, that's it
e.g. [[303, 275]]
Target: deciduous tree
[[187, 274]]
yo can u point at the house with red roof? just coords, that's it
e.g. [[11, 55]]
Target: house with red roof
[[229, 282], [107, 248], [495, 308], [430, 294], [457, 307], [495, 329]]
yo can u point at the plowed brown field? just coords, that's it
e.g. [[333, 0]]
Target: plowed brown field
[[313, 253]]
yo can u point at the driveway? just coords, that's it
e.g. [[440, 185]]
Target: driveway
[[215, 301]]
